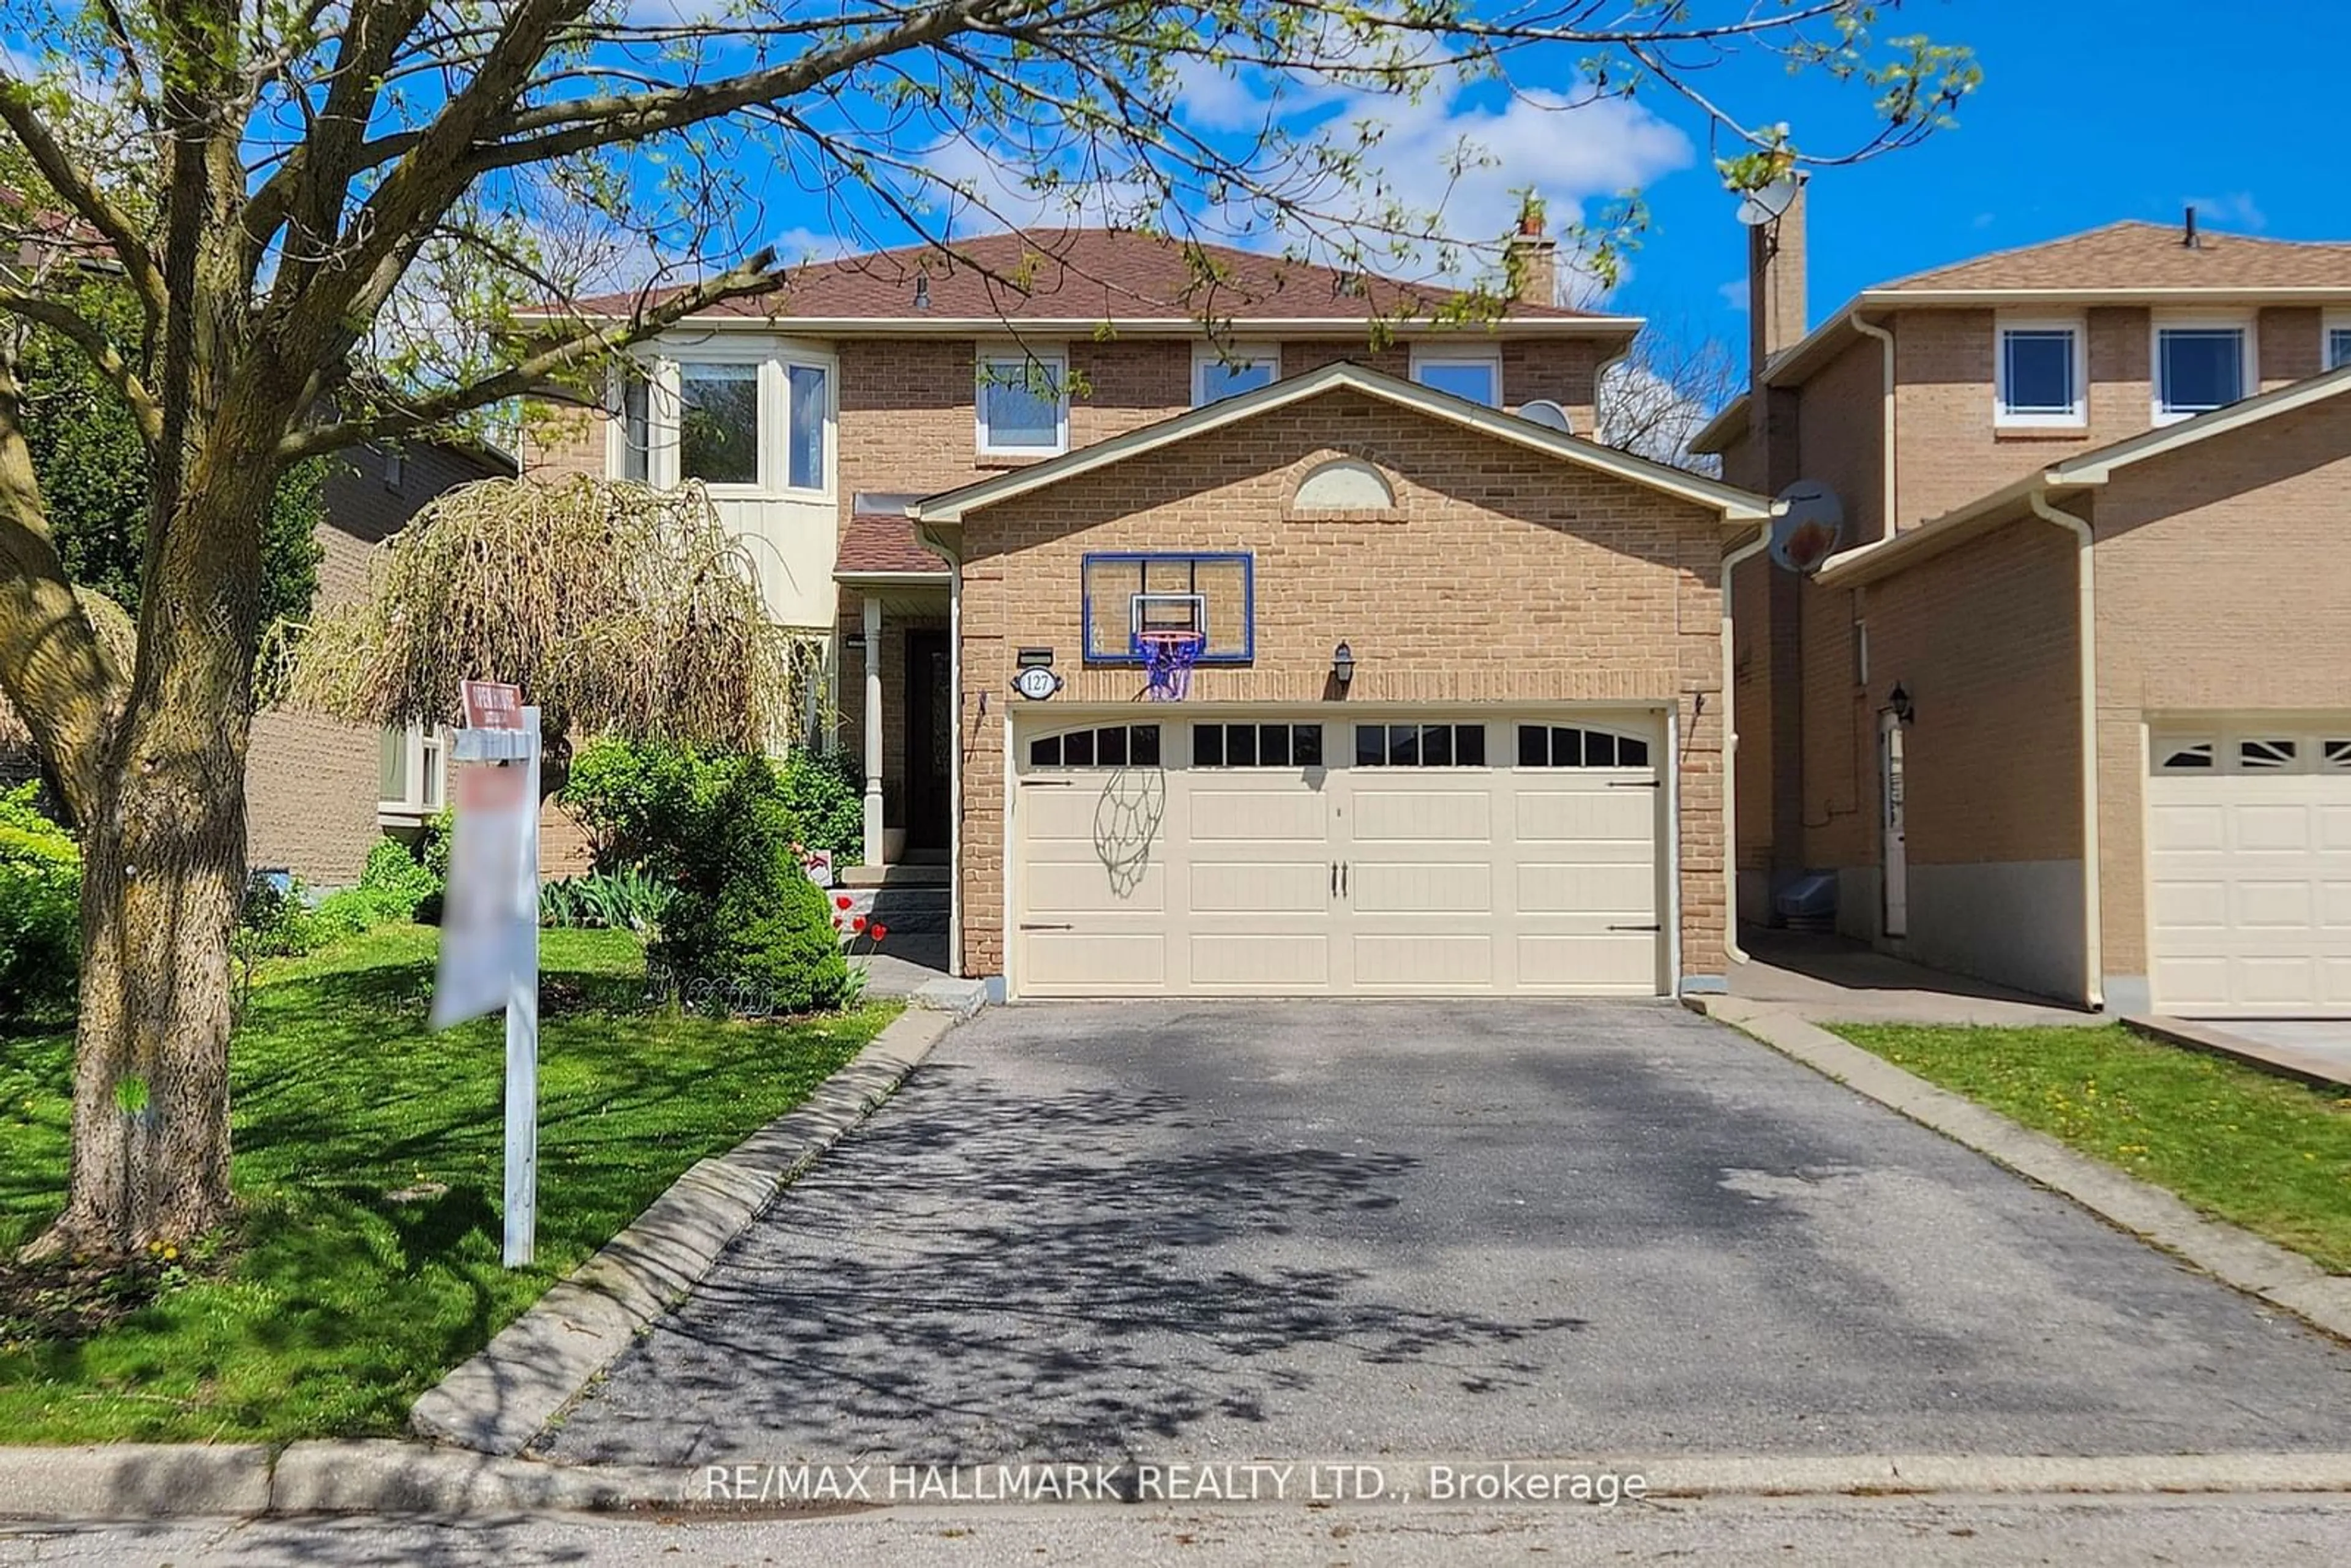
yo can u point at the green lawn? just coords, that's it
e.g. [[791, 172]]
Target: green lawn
[[2263, 1151], [344, 1301]]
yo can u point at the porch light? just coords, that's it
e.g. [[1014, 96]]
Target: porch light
[[1898, 702], [1342, 664]]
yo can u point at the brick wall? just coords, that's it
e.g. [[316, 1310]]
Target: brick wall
[[310, 784], [1983, 639], [2222, 586], [1501, 575]]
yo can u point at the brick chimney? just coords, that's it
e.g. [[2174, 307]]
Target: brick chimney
[[1535, 255], [1775, 285]]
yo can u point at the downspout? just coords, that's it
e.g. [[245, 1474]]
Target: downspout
[[1731, 950], [1886, 434], [2086, 613]]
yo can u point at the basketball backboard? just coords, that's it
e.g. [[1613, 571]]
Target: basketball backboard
[[1128, 595]]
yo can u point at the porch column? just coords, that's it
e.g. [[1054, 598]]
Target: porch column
[[873, 730]]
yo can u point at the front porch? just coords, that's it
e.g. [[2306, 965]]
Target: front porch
[[896, 697]]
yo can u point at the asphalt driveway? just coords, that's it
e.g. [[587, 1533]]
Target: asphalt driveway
[[1158, 1230]]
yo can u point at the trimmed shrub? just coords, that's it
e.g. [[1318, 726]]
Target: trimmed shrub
[[636, 800], [826, 790], [398, 880], [41, 909], [747, 922]]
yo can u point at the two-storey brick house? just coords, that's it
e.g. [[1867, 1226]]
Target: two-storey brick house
[[2071, 708], [1455, 719]]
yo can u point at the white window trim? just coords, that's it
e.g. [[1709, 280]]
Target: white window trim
[[2248, 380], [2077, 418], [1056, 360], [1205, 355], [665, 404], [414, 807], [1490, 359], [2329, 323]]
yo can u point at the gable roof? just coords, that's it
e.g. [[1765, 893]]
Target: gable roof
[[1086, 276], [1735, 506], [2084, 471], [2137, 255]]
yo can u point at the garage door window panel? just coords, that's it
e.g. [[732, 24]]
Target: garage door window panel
[[1107, 746], [1257, 746], [1569, 746], [2265, 755], [1420, 746]]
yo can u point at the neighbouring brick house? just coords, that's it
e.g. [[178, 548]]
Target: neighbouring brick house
[[2080, 719], [318, 793], [1456, 726]]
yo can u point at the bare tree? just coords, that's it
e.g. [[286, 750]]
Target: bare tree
[[271, 178], [1655, 400]]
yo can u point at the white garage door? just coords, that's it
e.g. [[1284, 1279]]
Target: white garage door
[[1308, 855], [2249, 869]]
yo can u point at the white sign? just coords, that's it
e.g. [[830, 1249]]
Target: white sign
[[1036, 682], [489, 926]]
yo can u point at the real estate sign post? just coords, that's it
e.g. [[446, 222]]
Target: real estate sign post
[[489, 923]]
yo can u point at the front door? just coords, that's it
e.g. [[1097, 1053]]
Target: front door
[[930, 738], [1896, 870]]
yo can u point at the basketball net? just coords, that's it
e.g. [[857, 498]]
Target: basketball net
[[1168, 661]]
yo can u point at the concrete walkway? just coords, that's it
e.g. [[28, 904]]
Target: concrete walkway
[[2316, 1050], [1829, 979]]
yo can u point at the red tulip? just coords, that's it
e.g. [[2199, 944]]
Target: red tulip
[[877, 932], [836, 923], [841, 901], [858, 923]]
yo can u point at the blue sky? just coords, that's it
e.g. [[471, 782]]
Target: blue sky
[[2090, 111]]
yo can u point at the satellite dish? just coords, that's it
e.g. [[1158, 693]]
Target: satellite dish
[[1807, 525], [1767, 204], [1548, 415]]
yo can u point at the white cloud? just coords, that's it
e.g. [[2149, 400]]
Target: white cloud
[[1735, 295], [2236, 210]]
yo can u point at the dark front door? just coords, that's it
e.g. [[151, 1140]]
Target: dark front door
[[930, 738]]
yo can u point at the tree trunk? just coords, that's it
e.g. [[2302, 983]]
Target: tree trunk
[[162, 886]]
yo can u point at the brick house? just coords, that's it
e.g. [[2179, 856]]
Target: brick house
[[320, 793], [1456, 724], [2070, 708]]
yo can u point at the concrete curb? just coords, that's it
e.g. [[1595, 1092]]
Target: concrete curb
[[502, 1399], [134, 1480], [388, 1477], [2283, 1061], [2235, 1257]]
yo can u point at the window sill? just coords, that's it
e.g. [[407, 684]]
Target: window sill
[[2040, 432], [1013, 459], [400, 814]]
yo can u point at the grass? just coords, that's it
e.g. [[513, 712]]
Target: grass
[[367, 1155], [2268, 1154]]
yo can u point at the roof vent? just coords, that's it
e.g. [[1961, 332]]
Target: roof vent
[[2187, 236], [923, 291]]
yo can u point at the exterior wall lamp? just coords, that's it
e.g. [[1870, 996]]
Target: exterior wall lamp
[[1898, 703], [1342, 665]]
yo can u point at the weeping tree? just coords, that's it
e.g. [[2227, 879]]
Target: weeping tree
[[617, 609], [331, 216]]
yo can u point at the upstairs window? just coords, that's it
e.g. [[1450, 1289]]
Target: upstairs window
[[1219, 374], [2199, 367], [719, 423], [1024, 404], [2039, 377], [2339, 345], [809, 390], [633, 425], [1468, 374]]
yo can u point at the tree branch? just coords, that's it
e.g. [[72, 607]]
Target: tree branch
[[54, 665], [756, 276], [98, 350], [72, 184]]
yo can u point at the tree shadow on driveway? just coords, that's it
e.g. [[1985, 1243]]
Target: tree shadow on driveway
[[1066, 1276]]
